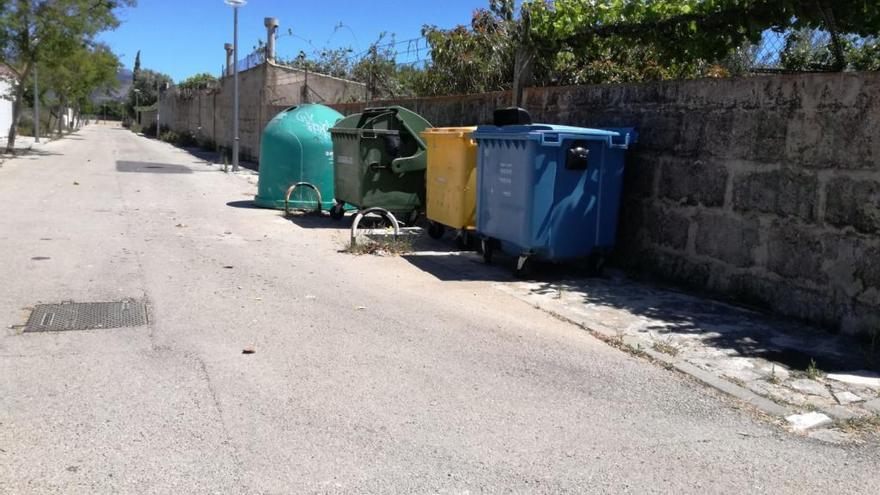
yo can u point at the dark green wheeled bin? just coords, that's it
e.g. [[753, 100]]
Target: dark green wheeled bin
[[379, 161]]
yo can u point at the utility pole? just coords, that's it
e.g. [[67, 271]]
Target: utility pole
[[235, 84], [373, 72], [36, 106], [137, 112], [235, 4], [158, 122]]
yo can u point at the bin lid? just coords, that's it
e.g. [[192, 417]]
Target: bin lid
[[541, 128], [409, 122], [462, 131], [548, 133]]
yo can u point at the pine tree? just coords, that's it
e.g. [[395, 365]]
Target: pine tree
[[137, 67]]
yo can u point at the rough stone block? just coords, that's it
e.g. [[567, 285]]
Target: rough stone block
[[783, 192], [666, 227], [811, 387], [863, 321], [873, 405], [727, 238], [845, 397], [789, 298], [806, 421], [630, 233], [867, 268], [693, 182], [690, 137], [756, 135], [863, 378], [659, 131], [766, 136], [672, 267], [718, 139], [852, 202], [639, 173], [848, 138], [796, 251]]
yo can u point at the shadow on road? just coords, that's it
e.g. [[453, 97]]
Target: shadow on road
[[311, 220], [723, 326], [666, 311], [461, 266], [216, 157], [151, 168], [245, 204], [31, 153]]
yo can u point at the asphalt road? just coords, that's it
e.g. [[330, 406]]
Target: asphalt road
[[371, 375]]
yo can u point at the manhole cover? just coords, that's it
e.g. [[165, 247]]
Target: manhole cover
[[86, 316]]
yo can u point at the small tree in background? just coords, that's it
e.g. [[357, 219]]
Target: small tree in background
[[74, 78], [46, 31], [147, 82], [197, 81]]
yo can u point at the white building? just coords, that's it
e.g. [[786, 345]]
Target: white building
[[5, 101]]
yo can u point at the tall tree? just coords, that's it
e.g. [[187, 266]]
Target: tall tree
[[136, 72], [34, 31], [475, 58]]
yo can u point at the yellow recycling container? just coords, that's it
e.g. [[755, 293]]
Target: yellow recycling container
[[451, 180]]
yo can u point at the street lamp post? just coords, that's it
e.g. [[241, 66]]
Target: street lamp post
[[158, 101], [137, 112], [36, 107], [235, 4]]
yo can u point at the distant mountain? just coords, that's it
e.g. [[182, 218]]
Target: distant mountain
[[124, 76]]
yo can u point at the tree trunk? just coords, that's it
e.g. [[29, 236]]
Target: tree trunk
[[522, 73], [836, 44], [62, 113], [16, 116], [49, 124]]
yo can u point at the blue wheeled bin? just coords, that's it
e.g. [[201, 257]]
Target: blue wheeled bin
[[549, 192]]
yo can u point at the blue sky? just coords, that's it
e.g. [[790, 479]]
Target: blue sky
[[185, 37]]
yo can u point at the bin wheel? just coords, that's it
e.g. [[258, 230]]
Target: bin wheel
[[436, 230], [488, 248], [412, 218], [464, 241], [337, 211], [524, 267]]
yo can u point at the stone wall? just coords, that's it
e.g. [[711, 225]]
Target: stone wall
[[766, 189], [263, 92]]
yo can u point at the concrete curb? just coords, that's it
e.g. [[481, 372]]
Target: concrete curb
[[605, 334]]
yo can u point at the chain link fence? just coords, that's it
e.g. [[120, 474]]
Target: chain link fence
[[805, 51]]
